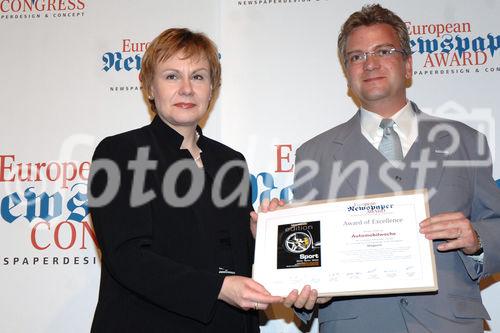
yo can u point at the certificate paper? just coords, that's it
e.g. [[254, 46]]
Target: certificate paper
[[347, 247]]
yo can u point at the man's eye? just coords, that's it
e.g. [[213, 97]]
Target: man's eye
[[356, 57], [384, 52]]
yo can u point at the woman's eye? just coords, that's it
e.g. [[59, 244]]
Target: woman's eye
[[198, 77], [171, 77]]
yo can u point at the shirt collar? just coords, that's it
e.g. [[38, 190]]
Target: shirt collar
[[403, 119]]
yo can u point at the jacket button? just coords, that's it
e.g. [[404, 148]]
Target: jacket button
[[403, 301]]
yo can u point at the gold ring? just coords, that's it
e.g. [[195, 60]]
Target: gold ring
[[256, 306]]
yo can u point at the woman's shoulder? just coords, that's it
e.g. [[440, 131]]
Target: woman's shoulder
[[222, 150], [123, 144], [138, 135]]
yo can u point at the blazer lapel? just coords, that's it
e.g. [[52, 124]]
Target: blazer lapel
[[433, 151], [351, 150], [212, 163], [354, 152]]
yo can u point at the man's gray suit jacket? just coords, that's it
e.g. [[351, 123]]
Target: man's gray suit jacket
[[458, 176]]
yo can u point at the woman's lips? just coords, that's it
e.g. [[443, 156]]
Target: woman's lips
[[185, 105]]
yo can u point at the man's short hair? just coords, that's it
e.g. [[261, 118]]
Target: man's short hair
[[370, 15]]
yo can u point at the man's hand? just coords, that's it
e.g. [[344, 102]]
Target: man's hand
[[455, 228], [306, 299], [265, 206]]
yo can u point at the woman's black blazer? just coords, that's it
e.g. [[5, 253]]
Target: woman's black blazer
[[159, 269]]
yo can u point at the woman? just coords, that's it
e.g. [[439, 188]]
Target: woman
[[175, 256]]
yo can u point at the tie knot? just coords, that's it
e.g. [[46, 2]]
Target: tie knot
[[386, 123]]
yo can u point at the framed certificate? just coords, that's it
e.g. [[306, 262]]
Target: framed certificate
[[365, 246]]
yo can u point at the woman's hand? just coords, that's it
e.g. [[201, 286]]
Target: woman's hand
[[246, 294]]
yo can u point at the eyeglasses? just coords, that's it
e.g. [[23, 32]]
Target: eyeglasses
[[358, 57]]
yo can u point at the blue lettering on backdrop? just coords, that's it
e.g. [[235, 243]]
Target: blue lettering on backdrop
[[47, 206], [285, 193], [78, 203], [115, 60], [6, 206], [458, 43]]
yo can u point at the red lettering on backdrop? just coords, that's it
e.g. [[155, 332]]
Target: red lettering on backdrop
[[33, 236], [74, 171], [87, 229], [65, 172], [49, 173], [41, 4], [2, 8], [4, 167], [71, 5], [82, 4], [84, 167], [62, 5], [28, 173], [282, 155], [38, 169], [14, 9], [485, 57], [57, 231], [51, 5], [59, 234], [126, 45], [454, 59]]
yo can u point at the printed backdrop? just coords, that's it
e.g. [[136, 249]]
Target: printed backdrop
[[70, 78]]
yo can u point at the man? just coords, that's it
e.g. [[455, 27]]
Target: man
[[388, 146]]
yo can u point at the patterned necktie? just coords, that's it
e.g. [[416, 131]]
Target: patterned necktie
[[390, 146]]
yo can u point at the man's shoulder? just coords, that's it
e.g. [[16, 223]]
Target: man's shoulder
[[440, 124], [337, 134]]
